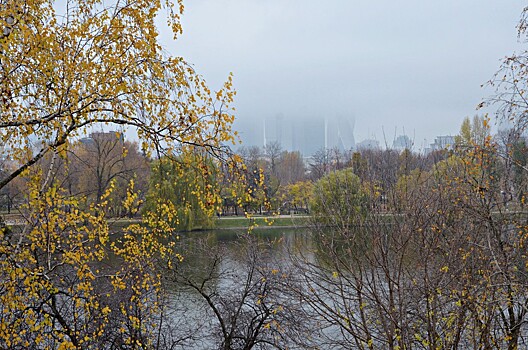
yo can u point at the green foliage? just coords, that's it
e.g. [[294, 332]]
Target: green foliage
[[188, 186], [408, 186], [338, 199], [359, 164], [297, 195]]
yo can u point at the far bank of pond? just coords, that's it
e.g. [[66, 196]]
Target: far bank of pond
[[259, 222]]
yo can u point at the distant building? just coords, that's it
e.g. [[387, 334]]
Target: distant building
[[441, 143], [368, 144], [277, 129], [103, 136], [339, 133], [402, 142], [308, 135]]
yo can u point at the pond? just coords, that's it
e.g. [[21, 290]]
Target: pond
[[372, 287], [230, 289]]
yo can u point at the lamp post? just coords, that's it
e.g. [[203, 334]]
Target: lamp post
[[8, 27], [9, 22]]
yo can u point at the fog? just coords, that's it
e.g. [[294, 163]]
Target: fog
[[409, 67]]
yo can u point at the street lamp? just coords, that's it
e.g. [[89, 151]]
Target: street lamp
[[10, 20]]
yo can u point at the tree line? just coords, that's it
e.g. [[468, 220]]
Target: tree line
[[408, 251], [415, 252]]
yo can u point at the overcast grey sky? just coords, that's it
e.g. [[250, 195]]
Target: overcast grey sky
[[413, 65]]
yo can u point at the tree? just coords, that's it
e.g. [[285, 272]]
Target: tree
[[519, 162], [338, 199], [66, 69], [273, 152], [12, 194], [98, 64], [319, 164], [296, 196], [233, 185], [189, 185], [510, 83], [359, 165], [260, 183], [291, 168], [242, 293], [473, 132], [445, 267], [103, 160]]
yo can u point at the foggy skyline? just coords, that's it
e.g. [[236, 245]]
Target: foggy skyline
[[407, 67]]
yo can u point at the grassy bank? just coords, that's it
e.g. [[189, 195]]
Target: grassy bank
[[261, 222]]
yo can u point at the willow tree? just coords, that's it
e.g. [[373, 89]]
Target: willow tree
[[66, 68], [189, 184], [339, 200]]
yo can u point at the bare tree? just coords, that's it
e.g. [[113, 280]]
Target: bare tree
[[273, 151], [447, 270], [242, 295]]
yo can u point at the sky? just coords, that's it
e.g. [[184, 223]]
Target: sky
[[411, 67]]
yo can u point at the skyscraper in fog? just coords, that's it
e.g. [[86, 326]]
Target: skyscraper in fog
[[402, 142], [339, 133], [308, 135]]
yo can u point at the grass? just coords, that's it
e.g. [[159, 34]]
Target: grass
[[222, 223], [260, 222]]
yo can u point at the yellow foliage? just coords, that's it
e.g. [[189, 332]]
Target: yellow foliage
[[99, 65]]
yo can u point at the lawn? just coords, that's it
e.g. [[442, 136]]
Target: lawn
[[260, 222]]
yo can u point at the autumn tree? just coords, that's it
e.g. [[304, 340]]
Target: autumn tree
[[259, 181], [126, 70], [233, 185], [338, 199], [291, 168], [189, 185], [473, 132], [66, 70], [103, 160], [447, 270], [296, 196], [359, 164], [240, 293]]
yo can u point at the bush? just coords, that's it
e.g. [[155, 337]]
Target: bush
[[338, 199]]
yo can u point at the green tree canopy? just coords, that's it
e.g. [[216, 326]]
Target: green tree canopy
[[188, 184], [338, 199]]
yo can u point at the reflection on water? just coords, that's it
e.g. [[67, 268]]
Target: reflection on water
[[231, 291], [375, 286]]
